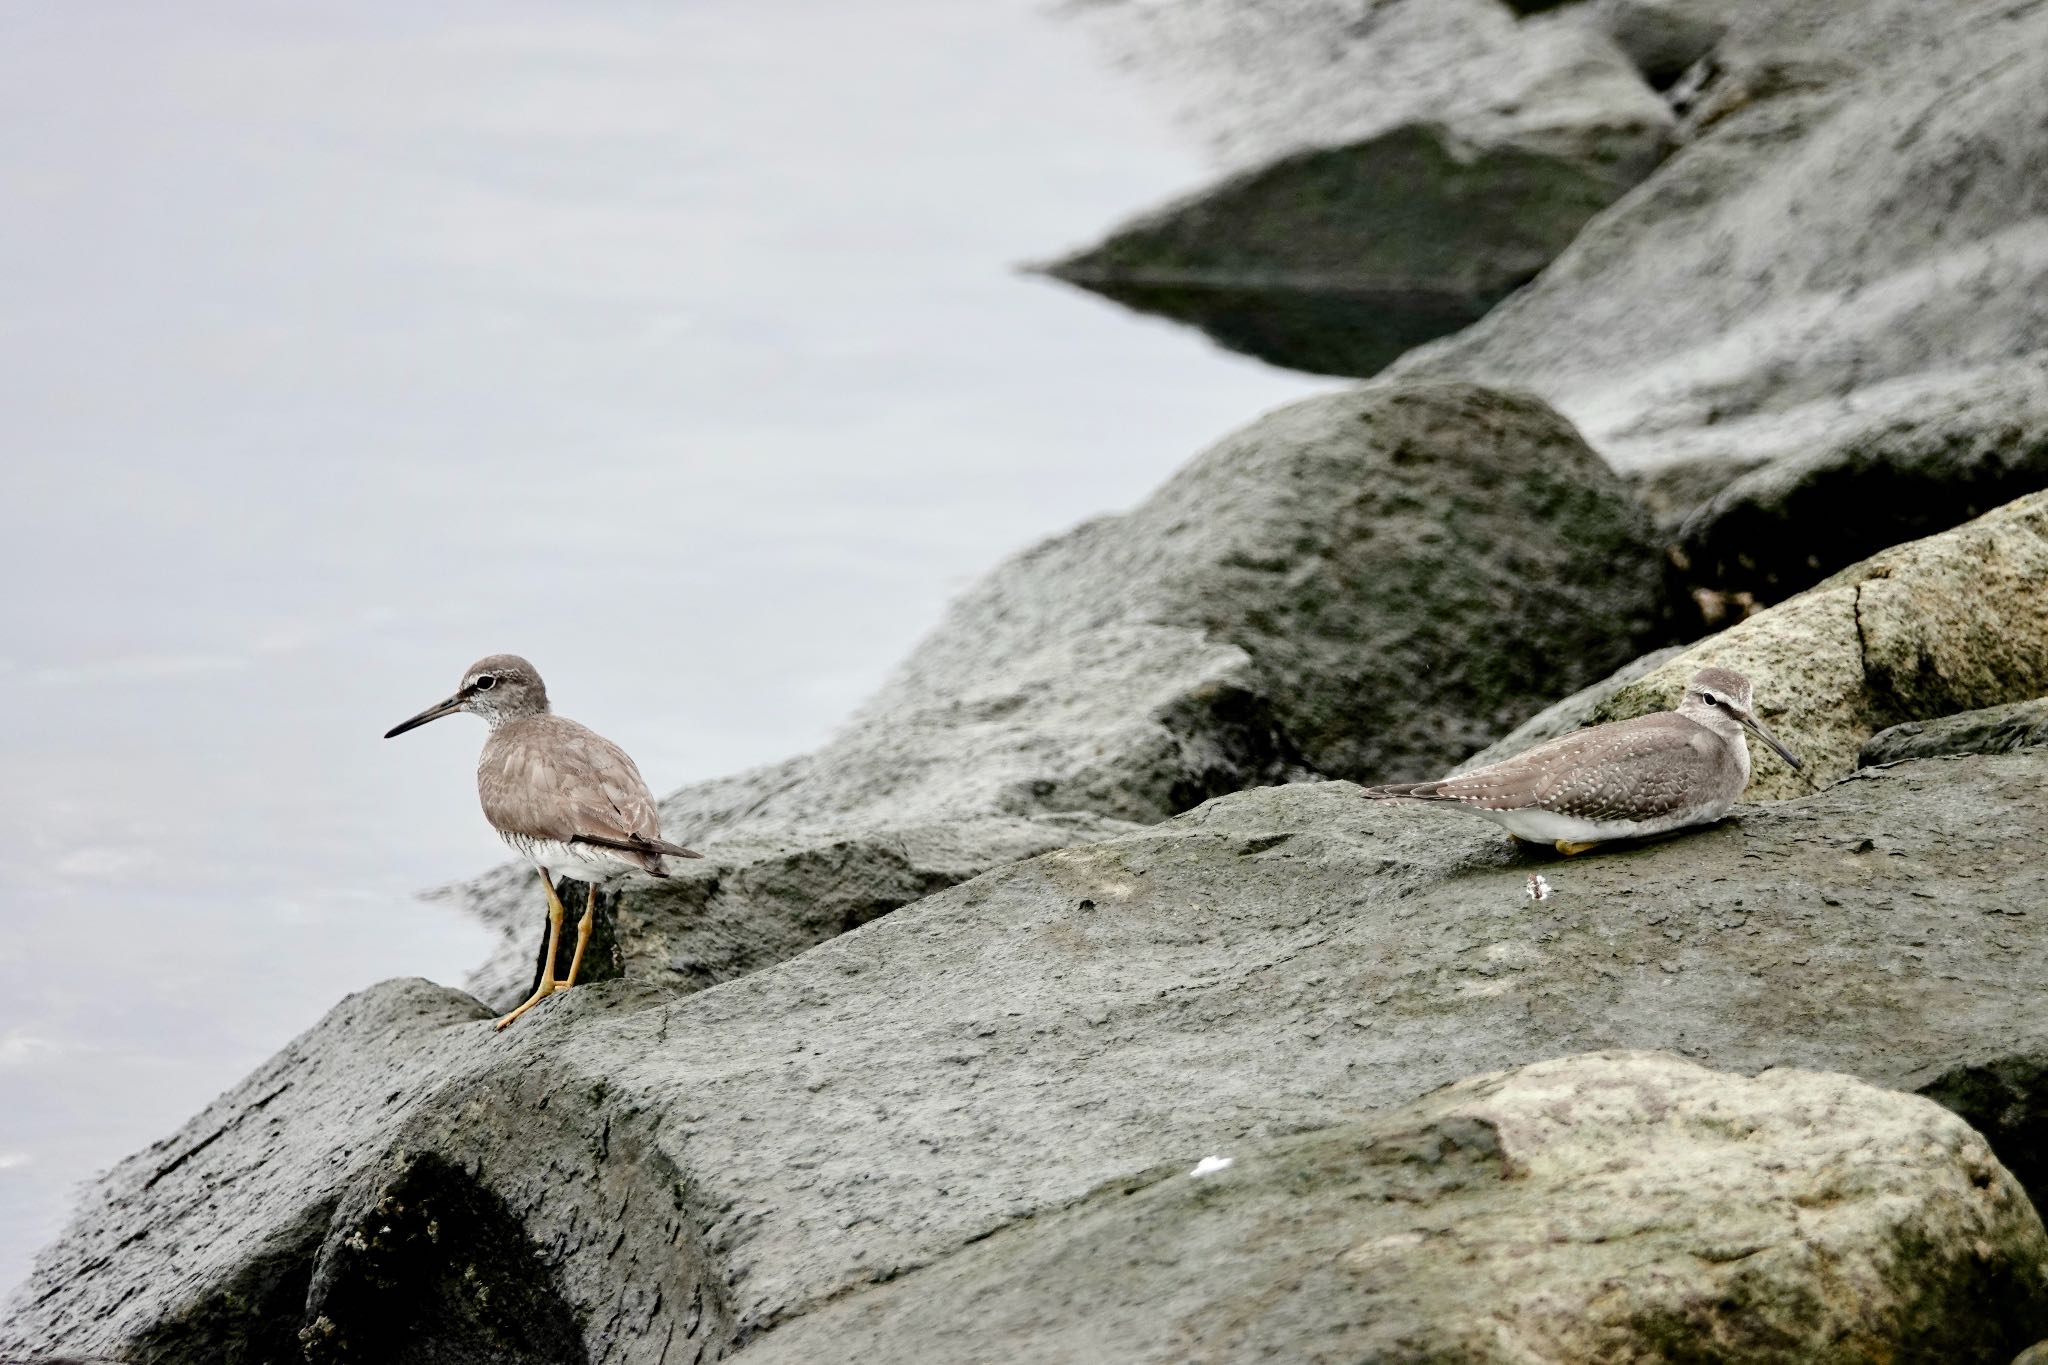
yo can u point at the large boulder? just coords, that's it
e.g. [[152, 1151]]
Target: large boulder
[[1575, 712], [1949, 623], [1391, 177], [1854, 228], [1263, 616], [1339, 259], [672, 1176], [1616, 1206], [1927, 459]]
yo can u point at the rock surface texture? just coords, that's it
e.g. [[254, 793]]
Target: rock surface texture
[[1871, 482], [1848, 253], [1617, 1206], [1259, 80], [676, 1177], [1262, 617], [1993, 730], [1832, 289]]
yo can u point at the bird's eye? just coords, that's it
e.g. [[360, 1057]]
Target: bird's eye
[[1708, 697], [486, 683]]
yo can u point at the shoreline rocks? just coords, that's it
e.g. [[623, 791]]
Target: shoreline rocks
[[1600, 1207], [1259, 619], [1413, 167], [1851, 226], [685, 1174], [921, 1062]]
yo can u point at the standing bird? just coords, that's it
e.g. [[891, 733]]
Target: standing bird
[[563, 797], [1622, 780]]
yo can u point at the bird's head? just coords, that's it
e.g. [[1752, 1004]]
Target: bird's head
[[1715, 693], [499, 688]]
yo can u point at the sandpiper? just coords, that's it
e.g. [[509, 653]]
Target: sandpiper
[[563, 797], [1624, 780]]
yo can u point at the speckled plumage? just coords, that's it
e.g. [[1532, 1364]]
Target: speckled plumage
[[546, 780], [1627, 779]]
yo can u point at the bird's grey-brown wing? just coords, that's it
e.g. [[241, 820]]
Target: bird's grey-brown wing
[[1631, 769], [550, 778]]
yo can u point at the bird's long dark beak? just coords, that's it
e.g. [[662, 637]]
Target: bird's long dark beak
[[435, 712], [1753, 723]]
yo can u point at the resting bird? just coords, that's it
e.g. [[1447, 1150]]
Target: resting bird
[[1622, 780], [563, 797]]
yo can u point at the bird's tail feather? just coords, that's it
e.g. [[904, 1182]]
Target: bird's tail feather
[[1405, 791], [637, 843]]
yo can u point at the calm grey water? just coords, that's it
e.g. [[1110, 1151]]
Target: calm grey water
[[677, 347]]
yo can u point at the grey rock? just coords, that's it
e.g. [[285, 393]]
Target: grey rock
[[1339, 259], [2037, 1354], [1856, 221], [1671, 493], [1263, 616], [1394, 173], [685, 1173], [1573, 713], [1922, 463], [1601, 1207], [1991, 730]]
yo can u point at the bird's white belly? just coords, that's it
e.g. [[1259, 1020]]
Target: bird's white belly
[[1549, 827], [591, 866]]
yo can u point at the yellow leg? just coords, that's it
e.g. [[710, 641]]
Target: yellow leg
[[582, 937], [1568, 848], [548, 985]]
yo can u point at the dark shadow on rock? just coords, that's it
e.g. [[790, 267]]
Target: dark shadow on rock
[[424, 1266], [2006, 1100], [252, 1319], [1322, 327], [1781, 528]]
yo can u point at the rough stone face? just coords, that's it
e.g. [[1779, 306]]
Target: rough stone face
[[1992, 730], [1394, 174], [678, 1175], [1857, 220], [1262, 616], [1949, 623], [1616, 1206], [1259, 80], [1924, 462]]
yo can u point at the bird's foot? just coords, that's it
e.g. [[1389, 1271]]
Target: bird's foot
[[1568, 848], [541, 992]]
